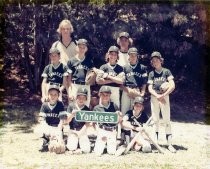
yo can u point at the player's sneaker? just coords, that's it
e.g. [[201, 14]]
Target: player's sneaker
[[171, 149], [44, 147]]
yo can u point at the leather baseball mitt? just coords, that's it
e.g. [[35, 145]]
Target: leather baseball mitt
[[132, 93], [90, 78], [57, 146]]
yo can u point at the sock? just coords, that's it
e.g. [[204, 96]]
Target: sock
[[169, 138]]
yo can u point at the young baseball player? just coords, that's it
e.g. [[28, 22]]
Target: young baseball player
[[107, 133], [54, 73], [77, 132], [48, 117], [66, 44], [129, 123], [135, 80], [124, 41], [114, 74], [78, 67], [159, 99]]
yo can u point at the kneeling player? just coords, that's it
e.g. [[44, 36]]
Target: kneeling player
[[132, 128], [107, 133], [78, 132], [48, 118]]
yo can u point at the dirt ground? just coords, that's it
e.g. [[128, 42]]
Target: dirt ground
[[19, 150]]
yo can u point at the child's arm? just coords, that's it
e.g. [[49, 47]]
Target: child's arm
[[44, 90]]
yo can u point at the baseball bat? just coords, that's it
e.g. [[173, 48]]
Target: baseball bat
[[153, 142]]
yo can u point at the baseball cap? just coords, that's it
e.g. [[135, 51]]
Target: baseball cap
[[132, 50], [156, 54], [113, 49], [124, 34], [139, 100], [55, 87], [54, 50], [105, 89], [82, 91], [82, 42]]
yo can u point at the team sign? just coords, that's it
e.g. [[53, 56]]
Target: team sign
[[93, 116]]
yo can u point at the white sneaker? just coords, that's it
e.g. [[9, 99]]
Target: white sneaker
[[171, 149]]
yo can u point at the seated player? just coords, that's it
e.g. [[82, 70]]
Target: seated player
[[48, 117], [132, 128], [54, 73], [78, 130], [107, 133]]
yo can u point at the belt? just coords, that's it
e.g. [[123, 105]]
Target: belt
[[107, 128], [81, 83], [57, 84], [76, 129], [133, 87]]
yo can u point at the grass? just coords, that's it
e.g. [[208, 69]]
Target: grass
[[20, 151]]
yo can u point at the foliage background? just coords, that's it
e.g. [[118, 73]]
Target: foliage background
[[178, 29]]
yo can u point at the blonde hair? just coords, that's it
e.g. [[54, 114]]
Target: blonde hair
[[65, 22]]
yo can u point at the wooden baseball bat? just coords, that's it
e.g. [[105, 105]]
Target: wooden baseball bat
[[153, 142]]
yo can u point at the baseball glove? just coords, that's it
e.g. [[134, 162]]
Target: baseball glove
[[164, 87], [90, 78], [132, 93], [57, 146]]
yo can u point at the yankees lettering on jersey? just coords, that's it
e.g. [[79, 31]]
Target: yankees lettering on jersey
[[142, 118], [75, 124], [110, 108], [135, 75], [52, 112], [55, 74], [157, 78], [112, 71], [78, 68]]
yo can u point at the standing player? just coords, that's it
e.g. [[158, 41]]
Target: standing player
[[78, 67], [48, 117], [135, 80], [54, 73], [124, 41], [159, 99], [77, 132], [107, 133], [129, 123], [66, 45], [114, 74]]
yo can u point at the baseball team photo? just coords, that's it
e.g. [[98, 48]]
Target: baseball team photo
[[105, 84]]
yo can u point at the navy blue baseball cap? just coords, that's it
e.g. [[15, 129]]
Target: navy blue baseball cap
[[124, 34], [156, 54], [82, 91], [54, 50], [113, 49], [138, 100], [132, 50], [82, 42], [54, 87], [105, 89]]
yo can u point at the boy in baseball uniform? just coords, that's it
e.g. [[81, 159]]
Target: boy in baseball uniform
[[114, 74], [78, 67], [49, 117], [54, 74], [132, 128], [160, 99], [135, 80], [107, 133], [78, 134]]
